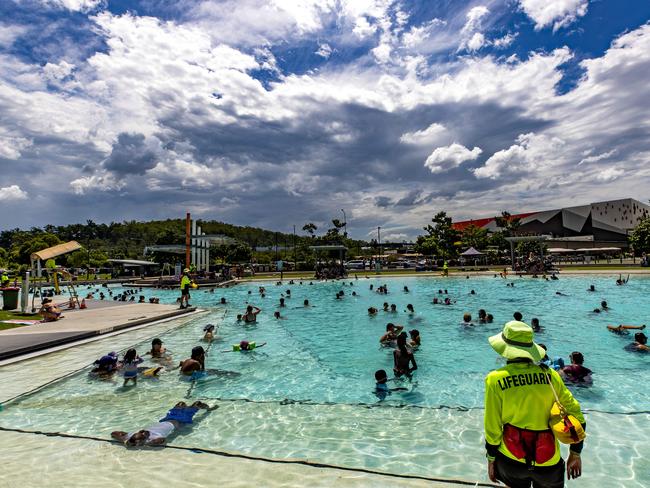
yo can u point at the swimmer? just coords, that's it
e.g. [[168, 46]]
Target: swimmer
[[621, 281], [195, 363], [222, 301], [277, 316], [251, 314], [209, 333], [482, 316], [435, 300], [603, 305], [576, 372], [393, 308], [518, 316], [414, 342], [559, 293], [246, 346], [556, 363], [305, 303], [392, 332], [381, 388], [406, 289], [130, 366], [640, 343], [472, 292], [385, 306], [372, 311], [534, 324], [239, 317], [467, 319], [591, 288], [403, 358], [489, 318], [354, 294], [157, 349], [106, 365], [157, 434], [281, 302], [410, 309], [623, 329]]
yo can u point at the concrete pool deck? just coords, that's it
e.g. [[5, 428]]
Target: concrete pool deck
[[98, 319]]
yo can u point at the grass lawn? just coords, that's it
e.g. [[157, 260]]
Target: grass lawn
[[9, 315]]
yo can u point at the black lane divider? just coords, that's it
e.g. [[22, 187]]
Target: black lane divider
[[249, 457], [71, 373]]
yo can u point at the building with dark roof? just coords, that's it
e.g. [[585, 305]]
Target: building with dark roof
[[600, 224]]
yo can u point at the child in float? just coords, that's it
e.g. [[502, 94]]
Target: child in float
[[130, 366]]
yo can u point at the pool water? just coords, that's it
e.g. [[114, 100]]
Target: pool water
[[309, 392]]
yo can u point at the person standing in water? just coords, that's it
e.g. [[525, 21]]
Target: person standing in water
[[403, 358]]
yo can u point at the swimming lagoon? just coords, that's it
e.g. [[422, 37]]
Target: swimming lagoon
[[308, 394]]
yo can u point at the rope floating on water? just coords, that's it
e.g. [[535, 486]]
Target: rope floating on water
[[303, 462]]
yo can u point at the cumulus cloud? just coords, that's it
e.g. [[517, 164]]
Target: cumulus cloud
[[9, 33], [558, 13], [130, 155], [428, 136], [452, 156], [12, 193]]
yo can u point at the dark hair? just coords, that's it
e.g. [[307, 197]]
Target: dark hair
[[156, 341], [306, 302], [208, 328], [130, 356], [534, 320], [380, 375], [603, 304], [640, 337], [482, 313], [517, 316], [390, 326], [577, 357], [415, 333], [197, 352]]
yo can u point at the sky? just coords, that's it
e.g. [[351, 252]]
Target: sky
[[276, 113]]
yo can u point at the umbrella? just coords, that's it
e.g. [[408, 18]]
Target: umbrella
[[472, 252]]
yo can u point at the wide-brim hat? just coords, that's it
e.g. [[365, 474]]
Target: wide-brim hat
[[516, 341]]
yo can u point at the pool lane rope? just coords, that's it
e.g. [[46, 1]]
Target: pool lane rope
[[228, 454]]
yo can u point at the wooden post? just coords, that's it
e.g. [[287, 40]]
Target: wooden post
[[188, 221]]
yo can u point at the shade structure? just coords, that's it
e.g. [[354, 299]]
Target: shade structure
[[132, 262], [54, 251], [471, 252]]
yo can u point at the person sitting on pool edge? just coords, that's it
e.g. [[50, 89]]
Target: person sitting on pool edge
[[158, 433], [49, 311], [640, 343], [392, 332], [195, 364]]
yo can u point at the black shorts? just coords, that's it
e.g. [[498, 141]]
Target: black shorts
[[517, 475], [185, 292]]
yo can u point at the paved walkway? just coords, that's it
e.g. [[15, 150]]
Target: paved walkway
[[81, 324]]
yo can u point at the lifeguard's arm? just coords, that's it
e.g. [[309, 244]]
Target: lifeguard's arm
[[492, 419], [571, 405]]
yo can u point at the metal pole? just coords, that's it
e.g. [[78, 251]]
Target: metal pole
[[188, 231], [193, 243], [295, 260], [24, 297], [379, 244]]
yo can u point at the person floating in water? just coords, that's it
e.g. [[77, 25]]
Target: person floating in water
[[158, 433], [624, 329]]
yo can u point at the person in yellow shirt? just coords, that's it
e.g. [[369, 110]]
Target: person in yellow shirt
[[186, 283], [521, 448]]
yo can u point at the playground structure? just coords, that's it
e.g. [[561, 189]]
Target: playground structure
[[47, 256]]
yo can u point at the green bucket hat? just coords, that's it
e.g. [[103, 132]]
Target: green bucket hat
[[516, 341]]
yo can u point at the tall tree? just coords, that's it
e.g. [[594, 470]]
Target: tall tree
[[508, 223], [311, 228], [640, 237], [474, 236], [442, 234]]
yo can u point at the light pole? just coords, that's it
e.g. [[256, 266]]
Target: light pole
[[379, 244], [345, 224]]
